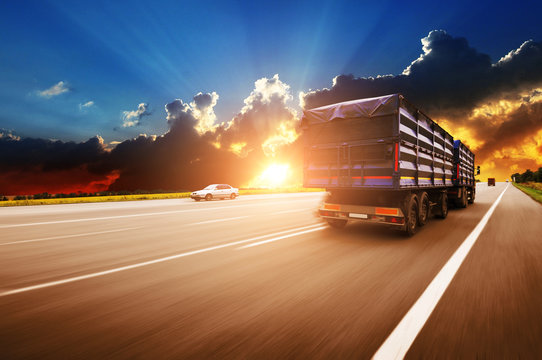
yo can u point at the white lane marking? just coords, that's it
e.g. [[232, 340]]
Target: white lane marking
[[219, 220], [69, 236], [141, 264], [138, 215], [291, 211], [283, 237], [399, 341]]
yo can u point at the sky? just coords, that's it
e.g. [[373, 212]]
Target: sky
[[83, 78]]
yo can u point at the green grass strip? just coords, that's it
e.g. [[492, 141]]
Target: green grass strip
[[532, 192]]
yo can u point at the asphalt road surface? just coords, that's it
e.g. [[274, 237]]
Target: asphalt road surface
[[261, 277]]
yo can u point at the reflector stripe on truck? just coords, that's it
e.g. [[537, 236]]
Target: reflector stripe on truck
[[371, 177], [386, 211], [332, 207]]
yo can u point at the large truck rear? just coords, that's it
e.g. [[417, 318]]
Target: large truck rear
[[382, 160]]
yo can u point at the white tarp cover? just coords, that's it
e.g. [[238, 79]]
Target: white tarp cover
[[382, 105]]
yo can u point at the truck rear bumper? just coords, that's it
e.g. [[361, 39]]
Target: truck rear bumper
[[382, 215]]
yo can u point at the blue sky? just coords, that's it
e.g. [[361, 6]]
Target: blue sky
[[120, 54]]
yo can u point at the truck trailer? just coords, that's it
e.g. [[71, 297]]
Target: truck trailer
[[382, 160]]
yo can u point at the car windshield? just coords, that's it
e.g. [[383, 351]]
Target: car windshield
[[210, 187]]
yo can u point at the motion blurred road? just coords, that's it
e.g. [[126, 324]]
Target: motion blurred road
[[261, 277]]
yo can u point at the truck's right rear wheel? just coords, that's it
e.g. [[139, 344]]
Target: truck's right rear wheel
[[472, 195], [337, 223]]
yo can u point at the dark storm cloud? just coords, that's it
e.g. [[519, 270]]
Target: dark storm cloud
[[179, 113], [48, 155], [29, 166], [521, 67], [449, 77]]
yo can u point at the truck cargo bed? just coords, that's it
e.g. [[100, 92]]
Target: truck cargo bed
[[379, 143]]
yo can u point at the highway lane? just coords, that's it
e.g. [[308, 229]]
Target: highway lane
[[323, 294]]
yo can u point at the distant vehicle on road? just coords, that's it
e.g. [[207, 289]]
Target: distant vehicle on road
[[215, 191], [490, 181]]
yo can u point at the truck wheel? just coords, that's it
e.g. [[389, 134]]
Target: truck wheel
[[442, 210], [337, 223], [411, 223], [472, 195], [423, 214], [208, 197]]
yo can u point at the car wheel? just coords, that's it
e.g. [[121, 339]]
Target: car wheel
[[232, 196], [208, 197], [197, 199]]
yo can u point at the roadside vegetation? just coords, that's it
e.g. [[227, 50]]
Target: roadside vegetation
[[530, 183], [73, 198]]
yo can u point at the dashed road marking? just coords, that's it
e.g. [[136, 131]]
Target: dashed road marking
[[146, 263], [68, 236]]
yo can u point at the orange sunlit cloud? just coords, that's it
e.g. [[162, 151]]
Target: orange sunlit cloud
[[481, 127]]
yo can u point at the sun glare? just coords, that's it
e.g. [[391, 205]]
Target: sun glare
[[274, 176]]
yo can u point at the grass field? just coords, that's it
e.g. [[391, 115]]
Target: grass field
[[532, 189], [93, 199]]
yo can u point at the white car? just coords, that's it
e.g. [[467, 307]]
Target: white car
[[216, 191]]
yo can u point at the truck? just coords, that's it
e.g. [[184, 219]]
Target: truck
[[490, 181], [382, 160]]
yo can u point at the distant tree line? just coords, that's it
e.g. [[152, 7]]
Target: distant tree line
[[528, 176], [46, 195]]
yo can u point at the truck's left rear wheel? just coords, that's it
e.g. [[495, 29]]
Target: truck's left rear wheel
[[411, 224], [424, 209]]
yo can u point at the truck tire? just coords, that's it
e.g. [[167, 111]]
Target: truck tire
[[472, 195], [423, 213], [442, 210], [411, 221], [337, 223]]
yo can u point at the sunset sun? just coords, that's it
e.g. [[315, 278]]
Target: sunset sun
[[275, 175]]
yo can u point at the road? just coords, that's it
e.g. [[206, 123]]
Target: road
[[261, 277]]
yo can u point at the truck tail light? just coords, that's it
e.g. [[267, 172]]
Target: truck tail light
[[396, 156], [386, 211]]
